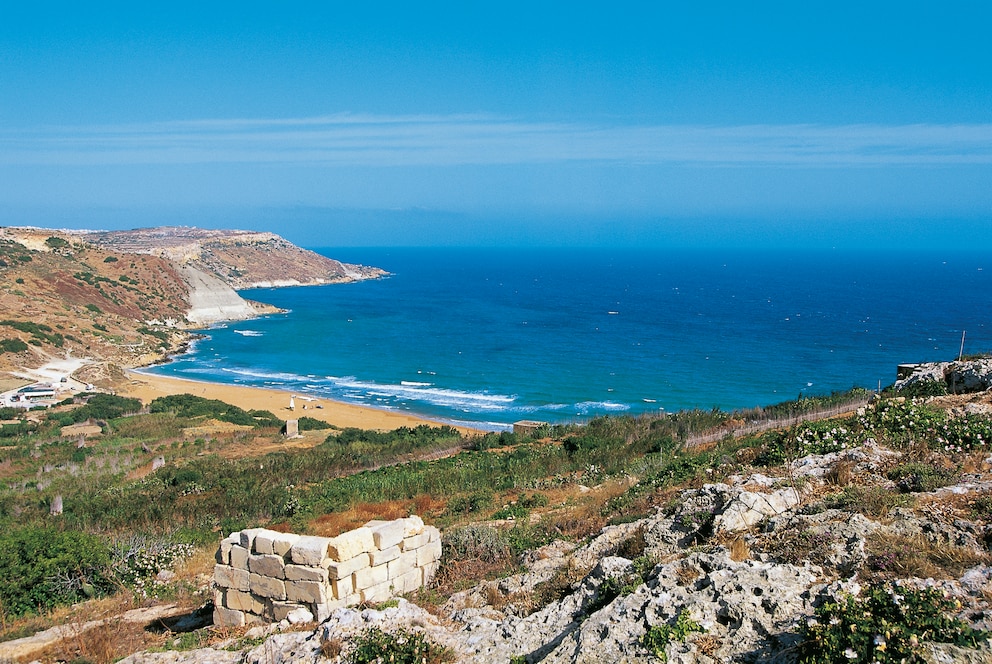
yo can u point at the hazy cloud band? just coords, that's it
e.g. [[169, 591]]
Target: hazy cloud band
[[463, 140]]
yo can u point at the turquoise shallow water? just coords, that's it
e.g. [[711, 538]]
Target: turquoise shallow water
[[497, 335]]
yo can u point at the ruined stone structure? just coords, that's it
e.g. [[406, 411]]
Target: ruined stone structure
[[263, 575]]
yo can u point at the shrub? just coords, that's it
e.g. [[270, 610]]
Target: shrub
[[312, 424], [921, 477], [12, 346], [399, 647], [41, 568], [886, 623], [110, 259], [657, 638]]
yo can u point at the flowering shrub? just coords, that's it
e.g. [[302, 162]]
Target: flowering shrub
[[137, 561], [886, 623], [901, 422], [822, 437]]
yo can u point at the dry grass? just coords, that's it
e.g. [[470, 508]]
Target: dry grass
[[687, 573], [840, 474], [331, 525], [899, 556]]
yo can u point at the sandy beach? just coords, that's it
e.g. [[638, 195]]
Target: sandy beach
[[147, 387]]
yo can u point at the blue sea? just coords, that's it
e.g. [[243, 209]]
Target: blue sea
[[491, 336]]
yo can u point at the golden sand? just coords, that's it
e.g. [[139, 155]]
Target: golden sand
[[148, 387]]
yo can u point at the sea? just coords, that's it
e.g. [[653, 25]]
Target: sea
[[491, 336]]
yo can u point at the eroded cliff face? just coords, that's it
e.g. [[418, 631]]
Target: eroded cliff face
[[128, 298], [241, 259]]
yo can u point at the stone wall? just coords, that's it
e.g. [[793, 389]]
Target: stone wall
[[263, 575]]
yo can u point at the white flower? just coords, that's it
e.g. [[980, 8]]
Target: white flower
[[850, 654]]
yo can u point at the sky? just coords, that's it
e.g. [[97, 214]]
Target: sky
[[815, 124]]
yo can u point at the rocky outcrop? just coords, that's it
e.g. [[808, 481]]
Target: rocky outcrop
[[956, 377], [746, 561]]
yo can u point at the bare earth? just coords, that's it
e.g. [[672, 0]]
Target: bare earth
[[148, 387]]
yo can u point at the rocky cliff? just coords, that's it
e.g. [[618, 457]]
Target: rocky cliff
[[241, 259], [129, 297]]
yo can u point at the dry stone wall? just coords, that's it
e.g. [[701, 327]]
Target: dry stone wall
[[263, 575]]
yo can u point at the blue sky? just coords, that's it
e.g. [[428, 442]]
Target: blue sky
[[813, 124]]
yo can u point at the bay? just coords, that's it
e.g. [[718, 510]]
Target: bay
[[491, 336]]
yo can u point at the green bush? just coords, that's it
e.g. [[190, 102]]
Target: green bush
[[399, 647], [312, 424], [886, 623], [12, 346], [657, 638], [921, 477], [42, 567], [191, 406]]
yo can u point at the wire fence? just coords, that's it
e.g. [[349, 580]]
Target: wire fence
[[749, 428]]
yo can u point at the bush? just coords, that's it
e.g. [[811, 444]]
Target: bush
[[191, 406], [886, 623], [921, 477], [312, 424], [41, 568], [657, 638], [12, 346], [399, 647]]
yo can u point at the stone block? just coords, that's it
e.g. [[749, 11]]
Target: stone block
[[407, 583], [239, 557], [341, 588], [347, 545], [306, 592], [226, 576], [224, 551], [415, 541], [262, 542], [377, 593], [228, 617], [267, 565], [306, 573], [406, 562], [283, 544], [247, 537], [242, 601], [429, 571], [371, 576], [309, 550], [280, 610], [433, 534], [412, 525], [377, 557], [266, 586], [386, 534], [429, 553], [340, 570]]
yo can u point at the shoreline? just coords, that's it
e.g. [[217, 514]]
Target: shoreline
[[148, 386]]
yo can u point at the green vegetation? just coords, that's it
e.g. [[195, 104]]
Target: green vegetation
[[57, 243], [190, 406], [312, 424], [885, 623], [401, 647], [12, 346], [39, 332], [657, 638]]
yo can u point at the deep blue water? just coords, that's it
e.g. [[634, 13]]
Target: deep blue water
[[498, 335]]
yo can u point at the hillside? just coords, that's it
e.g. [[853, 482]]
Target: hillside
[[846, 539], [241, 259], [129, 298]]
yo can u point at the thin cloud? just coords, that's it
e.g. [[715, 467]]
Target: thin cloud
[[368, 140]]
